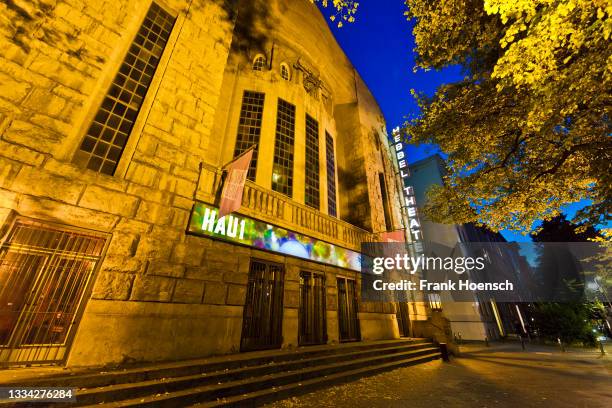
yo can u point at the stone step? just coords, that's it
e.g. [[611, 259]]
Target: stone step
[[103, 377], [153, 387], [257, 398], [251, 387]]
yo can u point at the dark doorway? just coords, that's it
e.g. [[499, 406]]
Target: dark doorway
[[262, 322], [403, 319], [312, 321], [348, 323]]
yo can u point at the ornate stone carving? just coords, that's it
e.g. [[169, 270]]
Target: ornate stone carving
[[311, 81]]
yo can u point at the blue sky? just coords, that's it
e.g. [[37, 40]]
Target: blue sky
[[380, 45]]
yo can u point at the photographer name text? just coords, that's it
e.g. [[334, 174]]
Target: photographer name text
[[460, 285]]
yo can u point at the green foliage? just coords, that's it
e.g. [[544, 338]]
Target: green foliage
[[528, 129], [569, 322], [599, 267]]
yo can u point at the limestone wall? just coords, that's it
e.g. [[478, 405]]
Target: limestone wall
[[159, 293], [295, 33], [54, 70]]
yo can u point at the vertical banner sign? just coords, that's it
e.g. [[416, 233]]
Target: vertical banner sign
[[231, 195], [414, 225]]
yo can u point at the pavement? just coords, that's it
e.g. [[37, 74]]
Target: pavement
[[502, 375]]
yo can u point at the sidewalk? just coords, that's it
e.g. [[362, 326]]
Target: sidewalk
[[498, 376]]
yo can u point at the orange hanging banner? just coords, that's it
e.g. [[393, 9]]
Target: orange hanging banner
[[231, 195]]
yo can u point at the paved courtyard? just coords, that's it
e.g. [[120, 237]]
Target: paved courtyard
[[499, 376]]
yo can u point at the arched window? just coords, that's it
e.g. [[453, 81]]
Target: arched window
[[285, 72], [259, 63]]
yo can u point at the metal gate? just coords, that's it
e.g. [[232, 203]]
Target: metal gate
[[348, 322], [403, 318], [45, 274], [312, 319], [262, 320]]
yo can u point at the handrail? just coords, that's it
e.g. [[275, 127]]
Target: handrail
[[276, 208]]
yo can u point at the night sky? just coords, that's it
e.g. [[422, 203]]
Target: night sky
[[380, 45]]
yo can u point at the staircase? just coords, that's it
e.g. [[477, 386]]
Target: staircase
[[246, 379]]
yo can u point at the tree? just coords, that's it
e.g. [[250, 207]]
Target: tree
[[575, 318], [568, 322], [344, 10], [600, 268], [597, 267], [528, 129], [559, 229]]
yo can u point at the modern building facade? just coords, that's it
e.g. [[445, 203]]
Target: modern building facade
[[482, 317], [116, 120]]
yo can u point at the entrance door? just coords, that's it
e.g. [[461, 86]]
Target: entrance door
[[403, 319], [312, 321], [45, 275], [262, 321], [348, 323]]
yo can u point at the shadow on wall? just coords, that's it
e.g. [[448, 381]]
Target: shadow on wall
[[253, 25], [358, 209], [26, 23]]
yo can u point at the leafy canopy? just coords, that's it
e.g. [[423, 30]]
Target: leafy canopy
[[528, 129], [345, 10]]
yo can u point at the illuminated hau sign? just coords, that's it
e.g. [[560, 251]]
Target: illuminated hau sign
[[236, 228], [414, 225]]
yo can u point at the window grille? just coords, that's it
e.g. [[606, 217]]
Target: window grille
[[249, 127], [108, 134], [282, 170], [312, 163], [45, 274], [262, 319], [435, 301], [285, 72], [312, 322], [331, 175], [259, 64]]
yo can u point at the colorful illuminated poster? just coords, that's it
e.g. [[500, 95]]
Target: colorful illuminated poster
[[258, 234]]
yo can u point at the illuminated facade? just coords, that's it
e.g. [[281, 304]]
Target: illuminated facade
[[113, 140], [483, 317]]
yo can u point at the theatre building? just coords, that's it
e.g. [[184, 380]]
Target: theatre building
[[116, 120]]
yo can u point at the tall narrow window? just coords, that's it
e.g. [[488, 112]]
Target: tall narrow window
[[107, 136], [311, 196], [282, 170], [385, 200], [331, 175], [285, 72], [249, 127]]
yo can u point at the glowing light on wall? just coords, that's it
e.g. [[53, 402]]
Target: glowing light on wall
[[414, 224], [258, 234]]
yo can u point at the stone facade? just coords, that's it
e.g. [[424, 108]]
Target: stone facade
[[159, 293]]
